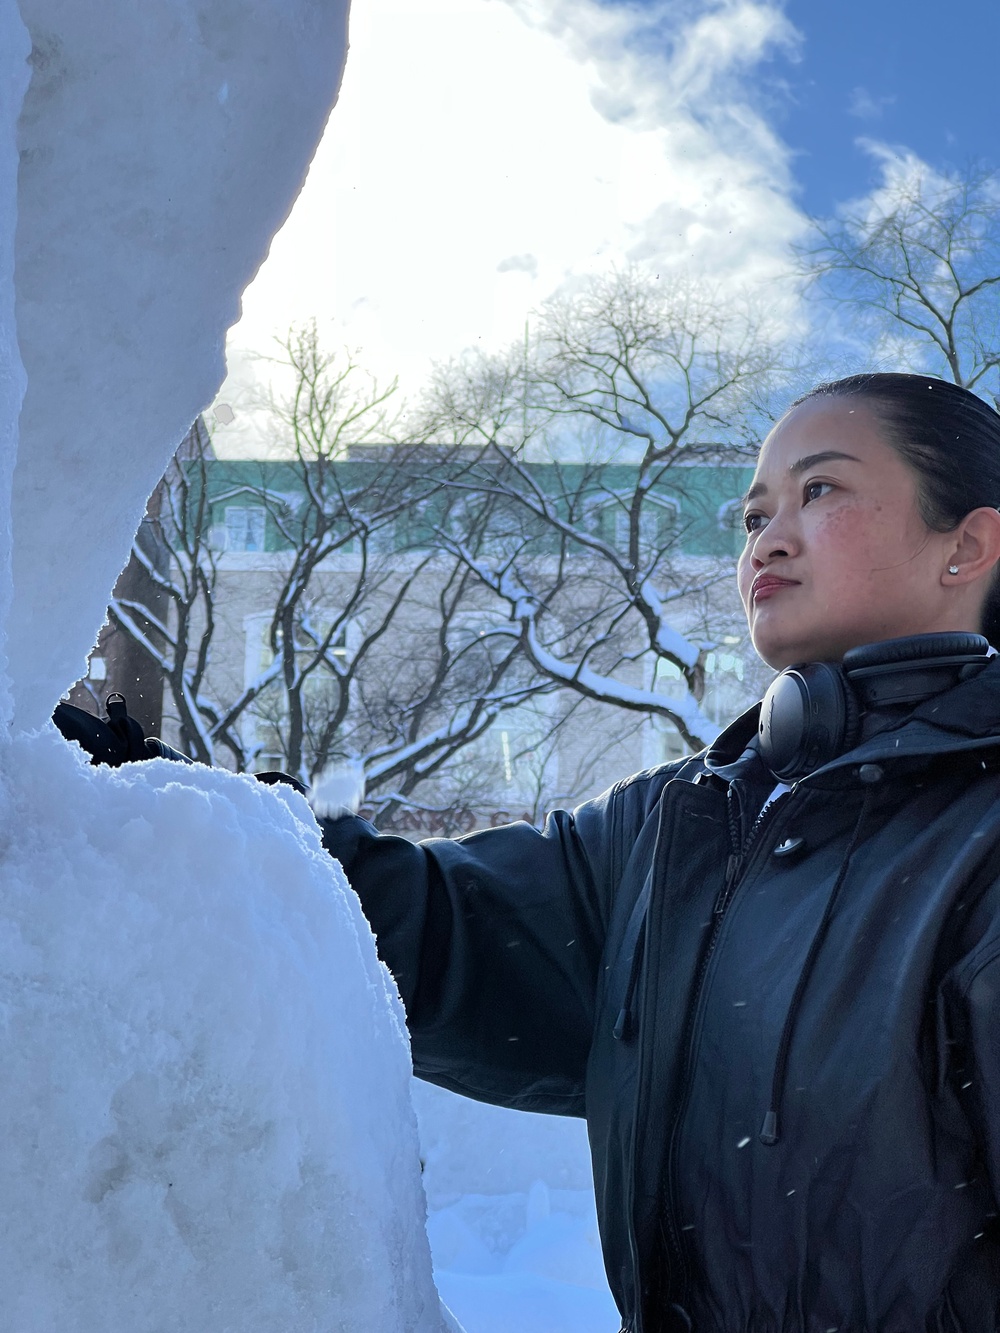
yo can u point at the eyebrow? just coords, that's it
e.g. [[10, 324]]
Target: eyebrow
[[800, 465]]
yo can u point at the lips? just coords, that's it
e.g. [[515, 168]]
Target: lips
[[765, 585]]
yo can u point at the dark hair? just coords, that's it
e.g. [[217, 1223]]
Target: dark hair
[[949, 436]]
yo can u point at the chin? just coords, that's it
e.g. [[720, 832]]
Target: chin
[[778, 661], [776, 650], [776, 658], [785, 651]]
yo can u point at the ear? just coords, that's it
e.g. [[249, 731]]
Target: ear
[[974, 546]]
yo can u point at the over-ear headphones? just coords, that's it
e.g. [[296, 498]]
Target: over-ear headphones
[[812, 712]]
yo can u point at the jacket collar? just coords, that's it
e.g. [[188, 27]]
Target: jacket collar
[[964, 718], [734, 753]]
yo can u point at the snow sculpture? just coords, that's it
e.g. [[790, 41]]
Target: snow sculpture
[[161, 149], [14, 48], [205, 1110]]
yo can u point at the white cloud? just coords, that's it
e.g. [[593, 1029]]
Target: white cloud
[[866, 107], [900, 170], [519, 264], [474, 135]]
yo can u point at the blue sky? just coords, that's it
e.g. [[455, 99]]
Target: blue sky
[[483, 152], [902, 71]]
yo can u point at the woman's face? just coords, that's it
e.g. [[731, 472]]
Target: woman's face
[[837, 552]]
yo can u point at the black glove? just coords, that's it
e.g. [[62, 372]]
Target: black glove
[[114, 741], [119, 740]]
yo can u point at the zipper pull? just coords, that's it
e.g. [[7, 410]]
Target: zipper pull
[[769, 1130], [733, 867]]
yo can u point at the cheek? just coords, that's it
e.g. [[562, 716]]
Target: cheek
[[856, 542]]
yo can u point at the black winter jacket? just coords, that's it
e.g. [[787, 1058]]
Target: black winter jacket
[[783, 1028]]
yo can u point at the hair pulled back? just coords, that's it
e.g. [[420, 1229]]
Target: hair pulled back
[[950, 438]]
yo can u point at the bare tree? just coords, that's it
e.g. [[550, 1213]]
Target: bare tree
[[362, 617], [366, 651], [450, 677], [521, 557], [587, 438], [558, 772], [181, 570], [919, 261], [333, 406]]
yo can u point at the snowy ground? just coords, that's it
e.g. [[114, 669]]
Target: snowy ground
[[512, 1224]]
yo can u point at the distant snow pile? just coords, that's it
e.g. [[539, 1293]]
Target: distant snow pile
[[513, 1230], [205, 1114]]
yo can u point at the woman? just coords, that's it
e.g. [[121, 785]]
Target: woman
[[769, 974]]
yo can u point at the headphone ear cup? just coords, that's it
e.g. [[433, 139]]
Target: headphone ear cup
[[809, 716]]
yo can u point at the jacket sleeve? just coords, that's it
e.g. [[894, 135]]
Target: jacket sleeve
[[495, 941]]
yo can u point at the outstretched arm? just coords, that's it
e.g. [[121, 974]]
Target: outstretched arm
[[495, 942]]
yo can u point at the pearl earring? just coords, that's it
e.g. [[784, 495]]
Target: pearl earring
[[953, 569]]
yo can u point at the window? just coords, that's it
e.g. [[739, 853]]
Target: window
[[658, 519], [246, 527], [312, 628], [522, 757], [263, 727]]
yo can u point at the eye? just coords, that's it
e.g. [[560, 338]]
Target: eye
[[754, 522], [815, 490]]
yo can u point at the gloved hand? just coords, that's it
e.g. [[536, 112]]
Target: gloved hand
[[119, 740], [114, 741]]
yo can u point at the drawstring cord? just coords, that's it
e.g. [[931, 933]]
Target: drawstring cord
[[632, 947], [770, 1130], [624, 1029]]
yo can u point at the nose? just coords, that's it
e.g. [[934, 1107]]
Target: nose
[[774, 542]]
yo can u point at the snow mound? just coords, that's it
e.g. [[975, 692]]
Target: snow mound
[[206, 1116]]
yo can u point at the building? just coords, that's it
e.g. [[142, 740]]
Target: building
[[392, 521]]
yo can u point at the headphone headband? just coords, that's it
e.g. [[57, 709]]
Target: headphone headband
[[913, 648]]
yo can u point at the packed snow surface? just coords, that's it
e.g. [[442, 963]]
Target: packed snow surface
[[206, 1115], [14, 48]]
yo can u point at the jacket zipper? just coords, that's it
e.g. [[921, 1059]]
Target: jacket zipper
[[735, 866], [633, 1323]]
